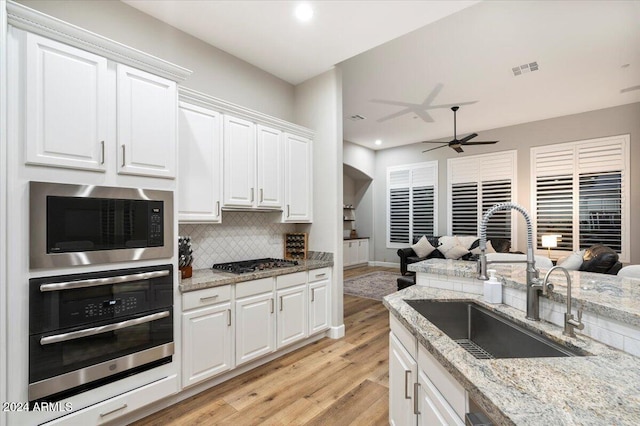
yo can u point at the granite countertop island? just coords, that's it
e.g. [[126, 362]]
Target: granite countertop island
[[602, 388], [206, 278]]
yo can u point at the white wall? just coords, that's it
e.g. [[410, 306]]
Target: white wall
[[318, 105], [594, 124], [359, 157], [215, 72]]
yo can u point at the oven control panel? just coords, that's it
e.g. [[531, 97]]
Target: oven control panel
[[109, 308]]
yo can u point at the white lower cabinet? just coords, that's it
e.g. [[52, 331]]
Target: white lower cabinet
[[402, 376], [255, 319], [207, 334], [421, 392], [292, 314], [319, 299], [355, 252]]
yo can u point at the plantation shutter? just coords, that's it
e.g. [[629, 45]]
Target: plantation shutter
[[477, 183], [580, 191], [411, 202]]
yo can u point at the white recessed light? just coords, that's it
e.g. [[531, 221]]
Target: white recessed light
[[378, 142], [304, 12]]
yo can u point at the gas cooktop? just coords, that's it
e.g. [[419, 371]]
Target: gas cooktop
[[247, 266]]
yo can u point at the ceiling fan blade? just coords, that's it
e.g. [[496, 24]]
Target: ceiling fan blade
[[432, 142], [468, 137], [457, 148], [481, 143], [437, 147]]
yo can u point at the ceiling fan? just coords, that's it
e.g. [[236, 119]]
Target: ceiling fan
[[457, 144]]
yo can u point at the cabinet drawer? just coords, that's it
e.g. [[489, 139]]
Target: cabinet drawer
[[126, 403], [250, 288], [209, 296], [319, 274], [289, 280]]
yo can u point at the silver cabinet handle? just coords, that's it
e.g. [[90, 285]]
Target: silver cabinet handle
[[313, 294], [288, 211], [416, 386], [217, 208], [252, 195], [114, 410], [321, 275], [281, 303], [102, 152], [406, 384], [123, 155], [271, 305], [69, 285], [261, 195], [204, 299], [102, 329], [229, 317]]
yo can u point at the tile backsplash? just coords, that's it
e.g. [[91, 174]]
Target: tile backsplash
[[240, 236]]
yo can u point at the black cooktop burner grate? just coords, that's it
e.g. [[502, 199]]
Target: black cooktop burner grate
[[247, 266]]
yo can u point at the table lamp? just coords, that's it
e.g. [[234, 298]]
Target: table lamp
[[550, 241]]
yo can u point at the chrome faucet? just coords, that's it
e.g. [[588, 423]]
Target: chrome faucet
[[569, 322], [534, 285]]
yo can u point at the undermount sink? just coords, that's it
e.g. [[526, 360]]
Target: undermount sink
[[486, 335]]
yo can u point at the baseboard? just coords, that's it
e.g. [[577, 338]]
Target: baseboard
[[386, 264], [336, 332]]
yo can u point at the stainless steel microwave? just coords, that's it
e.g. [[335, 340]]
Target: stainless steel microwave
[[72, 225]]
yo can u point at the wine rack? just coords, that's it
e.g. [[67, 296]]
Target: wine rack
[[295, 246]]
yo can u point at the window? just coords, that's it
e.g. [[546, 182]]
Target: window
[[412, 190], [579, 190], [476, 183]]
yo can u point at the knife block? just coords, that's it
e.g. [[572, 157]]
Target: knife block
[[186, 272]]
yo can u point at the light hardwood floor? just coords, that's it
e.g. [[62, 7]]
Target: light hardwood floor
[[330, 382]]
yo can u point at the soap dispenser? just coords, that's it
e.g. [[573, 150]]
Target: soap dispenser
[[492, 288]]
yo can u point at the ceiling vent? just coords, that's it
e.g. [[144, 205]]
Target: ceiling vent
[[357, 117], [525, 68]]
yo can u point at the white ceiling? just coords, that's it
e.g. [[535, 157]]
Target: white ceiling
[[459, 51]]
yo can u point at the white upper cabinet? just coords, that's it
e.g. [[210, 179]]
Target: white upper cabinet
[[239, 162], [200, 160], [147, 115], [269, 170], [66, 105], [298, 179]]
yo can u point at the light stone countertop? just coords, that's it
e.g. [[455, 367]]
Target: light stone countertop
[[206, 278], [607, 295], [600, 389]]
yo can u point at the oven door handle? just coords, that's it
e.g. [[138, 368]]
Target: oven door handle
[[57, 338], [70, 285]]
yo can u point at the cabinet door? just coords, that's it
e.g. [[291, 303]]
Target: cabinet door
[[207, 344], [239, 162], [346, 256], [433, 408], [200, 158], [255, 327], [66, 105], [292, 315], [298, 179], [318, 306], [363, 251], [402, 376], [269, 167], [147, 116]]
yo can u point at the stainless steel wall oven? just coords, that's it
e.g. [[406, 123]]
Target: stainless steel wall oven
[[86, 330], [72, 225]]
